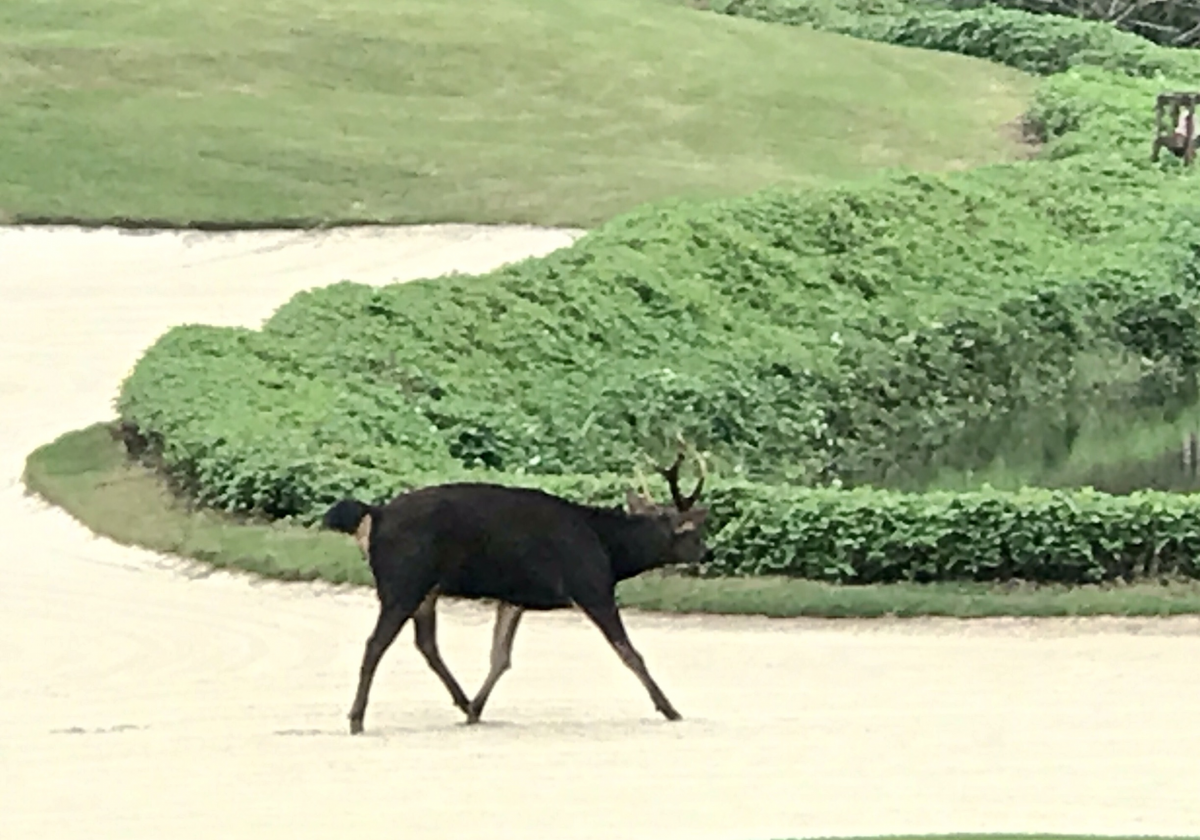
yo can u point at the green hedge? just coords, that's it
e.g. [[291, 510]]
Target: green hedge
[[1035, 43], [877, 333], [869, 536], [872, 536]]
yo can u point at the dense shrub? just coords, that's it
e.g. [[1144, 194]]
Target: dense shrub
[[876, 536], [1029, 42], [1035, 43], [875, 333], [1170, 23], [866, 535]]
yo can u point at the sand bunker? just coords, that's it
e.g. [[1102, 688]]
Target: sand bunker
[[137, 701]]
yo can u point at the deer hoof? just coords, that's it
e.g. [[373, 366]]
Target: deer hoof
[[356, 726], [474, 710]]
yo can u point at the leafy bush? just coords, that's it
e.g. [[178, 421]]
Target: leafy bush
[[876, 536], [944, 320], [1172, 24], [1035, 43]]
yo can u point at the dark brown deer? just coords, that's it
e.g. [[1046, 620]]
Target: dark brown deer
[[525, 549]]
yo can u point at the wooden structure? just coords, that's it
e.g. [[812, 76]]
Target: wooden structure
[[1168, 135]]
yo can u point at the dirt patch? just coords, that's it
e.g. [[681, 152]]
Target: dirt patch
[[1024, 135]]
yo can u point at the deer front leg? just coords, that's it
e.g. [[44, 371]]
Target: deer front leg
[[606, 617], [387, 627]]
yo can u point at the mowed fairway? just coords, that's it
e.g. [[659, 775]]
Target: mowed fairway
[[545, 111], [137, 703]]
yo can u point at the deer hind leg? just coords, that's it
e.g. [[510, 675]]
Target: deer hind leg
[[425, 633], [507, 618], [605, 616]]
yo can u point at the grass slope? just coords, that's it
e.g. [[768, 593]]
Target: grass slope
[[87, 473], [543, 111]]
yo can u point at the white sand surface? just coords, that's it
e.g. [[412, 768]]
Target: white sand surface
[[141, 700]]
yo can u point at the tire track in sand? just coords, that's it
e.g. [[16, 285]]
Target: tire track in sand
[[136, 702]]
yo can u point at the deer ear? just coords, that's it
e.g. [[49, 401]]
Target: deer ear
[[636, 504]]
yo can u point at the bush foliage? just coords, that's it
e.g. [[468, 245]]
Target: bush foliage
[[1035, 43], [1173, 23], [867, 535], [874, 333]]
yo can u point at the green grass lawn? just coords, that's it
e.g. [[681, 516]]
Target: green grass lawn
[[542, 111], [87, 473]]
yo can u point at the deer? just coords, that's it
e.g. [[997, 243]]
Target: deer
[[523, 548]]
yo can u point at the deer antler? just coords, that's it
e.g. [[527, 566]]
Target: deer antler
[[642, 485], [671, 474]]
